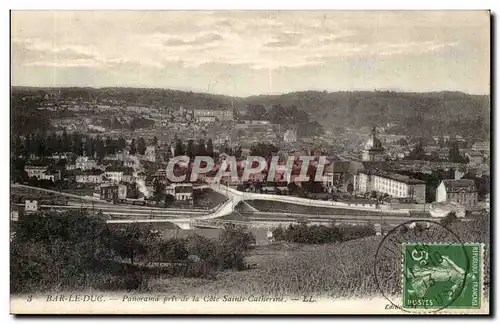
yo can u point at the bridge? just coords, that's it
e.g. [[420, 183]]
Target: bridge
[[238, 198]]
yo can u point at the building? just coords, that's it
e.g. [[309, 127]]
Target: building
[[150, 154], [339, 174], [393, 184], [170, 190], [31, 205], [35, 171], [122, 191], [83, 163], [14, 215], [128, 175], [475, 158], [89, 176], [42, 173], [208, 115], [184, 192], [51, 175], [373, 149], [114, 174], [206, 119], [481, 146], [462, 191], [290, 136], [109, 192]]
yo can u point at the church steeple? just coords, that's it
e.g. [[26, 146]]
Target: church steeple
[[373, 149]]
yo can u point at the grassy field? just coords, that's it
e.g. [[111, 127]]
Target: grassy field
[[344, 270], [291, 270]]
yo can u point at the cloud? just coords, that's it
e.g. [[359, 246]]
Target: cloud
[[202, 40], [249, 41]]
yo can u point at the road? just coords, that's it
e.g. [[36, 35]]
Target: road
[[87, 198], [188, 218]]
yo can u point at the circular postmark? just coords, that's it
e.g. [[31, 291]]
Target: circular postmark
[[421, 266]]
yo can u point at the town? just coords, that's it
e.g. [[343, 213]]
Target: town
[[250, 162], [127, 161]]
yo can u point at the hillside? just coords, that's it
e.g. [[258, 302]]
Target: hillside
[[417, 114]]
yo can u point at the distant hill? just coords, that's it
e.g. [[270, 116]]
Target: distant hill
[[417, 114]]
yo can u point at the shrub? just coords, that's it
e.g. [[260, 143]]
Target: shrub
[[234, 241], [352, 232], [173, 250], [204, 248], [321, 234], [449, 219]]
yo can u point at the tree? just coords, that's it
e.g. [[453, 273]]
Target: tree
[[238, 152], [276, 114], [350, 188], [454, 153], [190, 151], [89, 147], [441, 142], [210, 148], [133, 149], [27, 146], [256, 112], [100, 149], [169, 200], [121, 144], [179, 148], [201, 150], [133, 241], [40, 145], [159, 191], [141, 146], [17, 146], [449, 219]]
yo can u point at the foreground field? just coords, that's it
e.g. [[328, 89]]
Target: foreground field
[[344, 270], [291, 270]]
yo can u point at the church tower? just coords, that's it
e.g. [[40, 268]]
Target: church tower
[[373, 150]]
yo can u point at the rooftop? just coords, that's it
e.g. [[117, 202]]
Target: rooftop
[[396, 177], [460, 183]]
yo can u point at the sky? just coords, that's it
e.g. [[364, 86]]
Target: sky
[[242, 53]]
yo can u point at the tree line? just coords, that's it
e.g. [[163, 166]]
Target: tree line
[[47, 144], [78, 250], [321, 234]]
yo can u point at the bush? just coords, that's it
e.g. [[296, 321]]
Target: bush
[[173, 250], [204, 248], [321, 234], [234, 241], [449, 219], [352, 232], [279, 234]]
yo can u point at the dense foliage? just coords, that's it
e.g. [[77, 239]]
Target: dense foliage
[[321, 234], [75, 250]]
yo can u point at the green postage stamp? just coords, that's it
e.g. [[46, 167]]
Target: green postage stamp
[[438, 276]]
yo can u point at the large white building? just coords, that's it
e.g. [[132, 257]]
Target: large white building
[[208, 115], [83, 163], [393, 184], [42, 173], [462, 191], [90, 176]]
